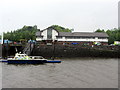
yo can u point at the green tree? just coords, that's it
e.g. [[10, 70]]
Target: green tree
[[27, 32], [60, 29], [99, 30], [114, 34]]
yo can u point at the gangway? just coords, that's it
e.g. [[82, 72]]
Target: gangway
[[28, 48]]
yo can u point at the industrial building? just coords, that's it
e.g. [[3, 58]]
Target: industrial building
[[50, 35]]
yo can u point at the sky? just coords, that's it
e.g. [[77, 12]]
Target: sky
[[80, 15]]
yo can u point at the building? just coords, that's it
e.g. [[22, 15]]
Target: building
[[50, 35]]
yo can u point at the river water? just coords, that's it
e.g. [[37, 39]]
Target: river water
[[71, 73]]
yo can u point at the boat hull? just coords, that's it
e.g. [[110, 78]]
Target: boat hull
[[53, 61], [27, 61], [32, 61]]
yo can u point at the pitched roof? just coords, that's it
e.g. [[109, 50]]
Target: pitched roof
[[81, 34], [84, 34]]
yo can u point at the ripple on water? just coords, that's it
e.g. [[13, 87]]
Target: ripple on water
[[71, 73]]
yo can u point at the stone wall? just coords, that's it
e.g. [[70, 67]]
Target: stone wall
[[57, 50], [66, 50]]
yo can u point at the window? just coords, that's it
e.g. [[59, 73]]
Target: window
[[78, 37], [59, 37], [49, 34], [102, 38]]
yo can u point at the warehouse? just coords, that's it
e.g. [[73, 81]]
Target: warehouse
[[50, 35]]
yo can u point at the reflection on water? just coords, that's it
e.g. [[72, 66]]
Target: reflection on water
[[71, 73]]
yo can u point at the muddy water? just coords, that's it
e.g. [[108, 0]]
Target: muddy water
[[71, 73]]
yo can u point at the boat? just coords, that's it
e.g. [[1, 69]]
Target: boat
[[25, 59]]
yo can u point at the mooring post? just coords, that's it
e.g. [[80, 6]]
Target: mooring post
[[30, 46], [53, 49]]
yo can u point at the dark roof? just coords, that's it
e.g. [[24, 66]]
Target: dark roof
[[82, 34]]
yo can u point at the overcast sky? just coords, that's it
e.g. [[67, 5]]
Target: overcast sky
[[81, 15]]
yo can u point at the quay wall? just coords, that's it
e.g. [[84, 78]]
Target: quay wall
[[10, 50], [57, 50]]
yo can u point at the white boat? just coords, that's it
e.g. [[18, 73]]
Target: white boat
[[25, 59]]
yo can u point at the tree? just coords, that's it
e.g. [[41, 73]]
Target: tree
[[27, 32], [98, 30], [114, 34], [60, 29]]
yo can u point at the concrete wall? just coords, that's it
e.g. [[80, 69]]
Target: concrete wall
[[44, 34], [54, 34]]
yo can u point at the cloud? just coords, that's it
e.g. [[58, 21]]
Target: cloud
[[82, 15]]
